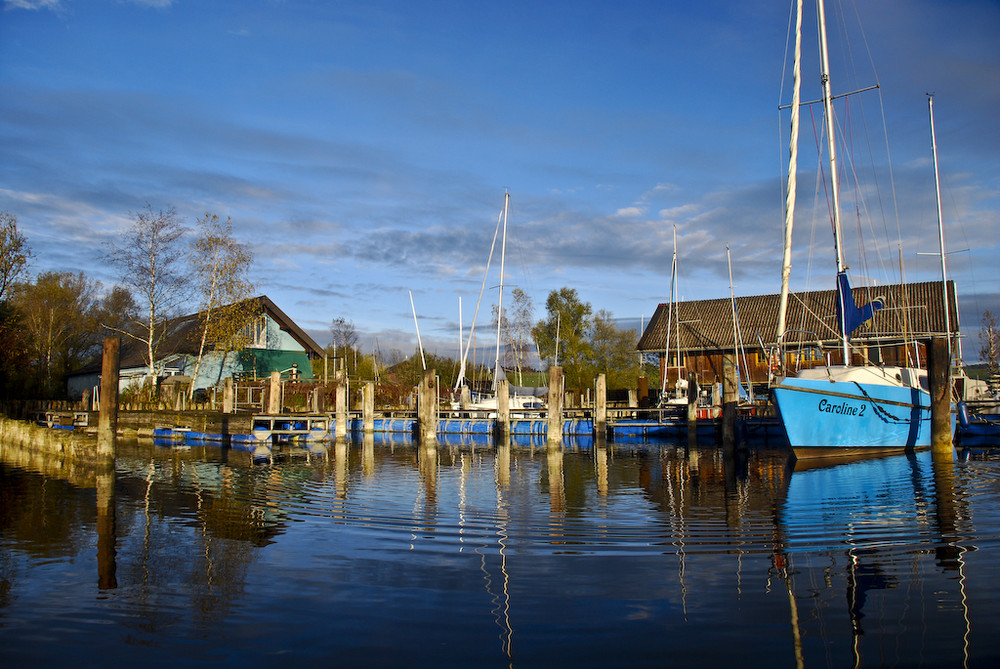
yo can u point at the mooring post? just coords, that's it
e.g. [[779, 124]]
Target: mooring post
[[939, 378], [502, 426], [643, 392], [692, 406], [601, 406], [228, 395], [107, 421], [427, 407], [554, 431], [274, 394], [368, 408], [729, 396], [340, 429]]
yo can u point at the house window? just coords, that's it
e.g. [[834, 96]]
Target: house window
[[255, 332]]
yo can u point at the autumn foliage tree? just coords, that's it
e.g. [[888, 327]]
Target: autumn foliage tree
[[562, 335], [221, 273]]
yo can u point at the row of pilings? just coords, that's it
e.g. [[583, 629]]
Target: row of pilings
[[939, 372]]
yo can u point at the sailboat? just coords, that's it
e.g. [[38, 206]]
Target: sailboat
[[843, 409], [520, 398]]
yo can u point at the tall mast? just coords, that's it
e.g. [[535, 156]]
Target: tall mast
[[503, 253], [672, 315], [937, 189], [793, 159], [834, 187]]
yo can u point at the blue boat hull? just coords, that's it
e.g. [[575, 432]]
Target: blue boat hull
[[836, 418]]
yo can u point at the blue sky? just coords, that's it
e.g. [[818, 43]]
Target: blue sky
[[363, 149]]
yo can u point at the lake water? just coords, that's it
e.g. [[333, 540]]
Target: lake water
[[386, 553]]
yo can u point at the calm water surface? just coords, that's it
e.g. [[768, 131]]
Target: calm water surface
[[387, 553]]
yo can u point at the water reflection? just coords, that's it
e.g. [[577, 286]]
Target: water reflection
[[500, 555]]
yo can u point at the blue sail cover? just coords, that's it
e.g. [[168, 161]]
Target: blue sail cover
[[855, 315]]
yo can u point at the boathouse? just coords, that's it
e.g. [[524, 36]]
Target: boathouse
[[272, 342], [702, 332]]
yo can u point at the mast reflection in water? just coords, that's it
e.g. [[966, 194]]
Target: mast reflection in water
[[388, 553]]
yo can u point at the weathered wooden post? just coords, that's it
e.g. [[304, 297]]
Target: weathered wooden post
[[555, 411], [368, 408], [274, 394], [107, 422], [601, 407], [727, 425], [466, 398], [643, 392], [340, 430], [427, 407], [502, 426], [692, 407], [939, 378], [228, 396]]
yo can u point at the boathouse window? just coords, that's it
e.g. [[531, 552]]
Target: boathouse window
[[255, 332]]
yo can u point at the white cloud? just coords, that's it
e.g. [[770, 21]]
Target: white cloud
[[31, 4], [629, 212]]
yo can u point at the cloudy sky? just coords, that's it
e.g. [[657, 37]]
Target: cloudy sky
[[362, 149]]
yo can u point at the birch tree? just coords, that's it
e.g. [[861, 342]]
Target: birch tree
[[221, 272], [150, 261]]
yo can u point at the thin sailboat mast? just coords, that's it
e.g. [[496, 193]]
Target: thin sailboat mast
[[940, 218], [793, 157], [671, 321], [503, 254], [834, 186]]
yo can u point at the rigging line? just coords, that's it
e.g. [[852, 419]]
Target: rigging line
[[860, 202], [812, 313], [482, 289]]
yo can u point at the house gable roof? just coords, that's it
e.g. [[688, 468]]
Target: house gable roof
[[183, 337], [911, 310]]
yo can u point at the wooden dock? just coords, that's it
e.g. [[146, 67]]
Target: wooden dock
[[290, 427]]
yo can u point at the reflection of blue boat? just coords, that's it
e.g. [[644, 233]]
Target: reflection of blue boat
[[977, 429]]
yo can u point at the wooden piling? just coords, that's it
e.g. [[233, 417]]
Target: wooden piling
[[643, 392], [939, 378], [274, 394], [555, 410], [368, 408], [228, 396], [427, 407], [727, 422], [692, 413], [601, 406], [340, 429], [502, 425], [107, 422]]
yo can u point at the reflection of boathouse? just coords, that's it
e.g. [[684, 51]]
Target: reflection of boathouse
[[913, 312]]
